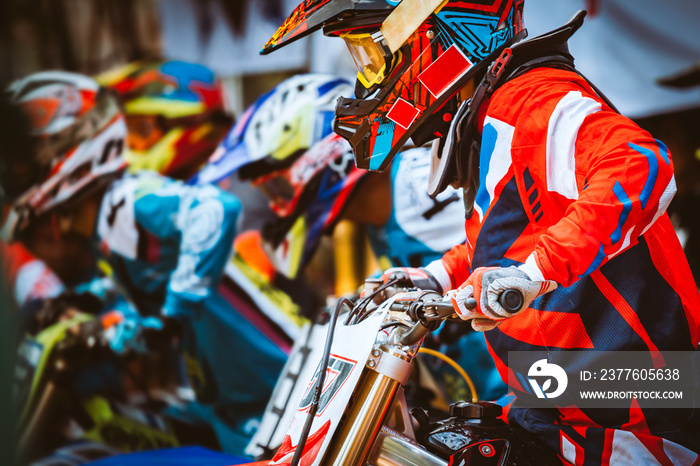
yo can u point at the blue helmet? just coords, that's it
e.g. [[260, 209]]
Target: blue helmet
[[278, 128]]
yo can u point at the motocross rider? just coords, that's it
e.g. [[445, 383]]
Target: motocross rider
[[166, 242], [565, 198], [29, 278]]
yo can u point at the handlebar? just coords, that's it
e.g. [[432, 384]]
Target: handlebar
[[511, 300], [417, 332], [416, 309]]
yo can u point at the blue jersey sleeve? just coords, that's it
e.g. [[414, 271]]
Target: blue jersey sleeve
[[199, 222]]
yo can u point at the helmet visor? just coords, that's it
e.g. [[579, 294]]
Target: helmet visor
[[144, 131], [370, 56]]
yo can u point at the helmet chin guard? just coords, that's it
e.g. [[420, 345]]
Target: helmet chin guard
[[378, 127], [412, 104]]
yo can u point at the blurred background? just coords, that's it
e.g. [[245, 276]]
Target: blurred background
[[626, 48], [643, 54]]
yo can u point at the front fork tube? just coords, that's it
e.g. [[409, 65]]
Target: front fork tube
[[362, 421]]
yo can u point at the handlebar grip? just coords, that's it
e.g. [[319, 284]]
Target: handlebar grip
[[511, 300]]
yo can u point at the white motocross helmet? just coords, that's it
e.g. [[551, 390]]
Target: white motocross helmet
[[77, 133]]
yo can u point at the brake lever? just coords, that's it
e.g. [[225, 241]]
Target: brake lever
[[427, 322], [510, 299]]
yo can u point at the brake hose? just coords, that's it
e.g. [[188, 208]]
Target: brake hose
[[456, 367], [362, 304]]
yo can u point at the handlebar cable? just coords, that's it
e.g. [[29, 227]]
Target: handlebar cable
[[392, 324], [362, 304], [318, 389], [456, 367]]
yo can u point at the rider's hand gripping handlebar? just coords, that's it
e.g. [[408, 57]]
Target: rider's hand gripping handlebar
[[430, 313]]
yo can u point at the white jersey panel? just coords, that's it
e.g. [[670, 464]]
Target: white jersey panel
[[116, 225], [562, 131], [438, 223]]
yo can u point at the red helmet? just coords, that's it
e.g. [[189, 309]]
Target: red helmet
[[174, 113], [413, 59]]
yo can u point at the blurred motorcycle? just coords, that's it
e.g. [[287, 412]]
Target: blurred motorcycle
[[64, 349]]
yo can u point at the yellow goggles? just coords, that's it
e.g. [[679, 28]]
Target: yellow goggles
[[371, 56]]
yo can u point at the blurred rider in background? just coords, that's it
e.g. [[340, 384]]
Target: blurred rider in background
[[308, 174], [173, 123], [565, 199], [28, 277], [168, 132], [166, 243]]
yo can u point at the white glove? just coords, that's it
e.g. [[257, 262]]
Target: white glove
[[478, 297]]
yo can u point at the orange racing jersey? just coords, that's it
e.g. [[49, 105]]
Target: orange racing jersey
[[582, 191]]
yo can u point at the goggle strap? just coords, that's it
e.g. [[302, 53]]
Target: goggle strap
[[405, 19]]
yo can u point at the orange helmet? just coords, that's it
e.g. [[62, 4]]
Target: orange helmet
[[413, 59]]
